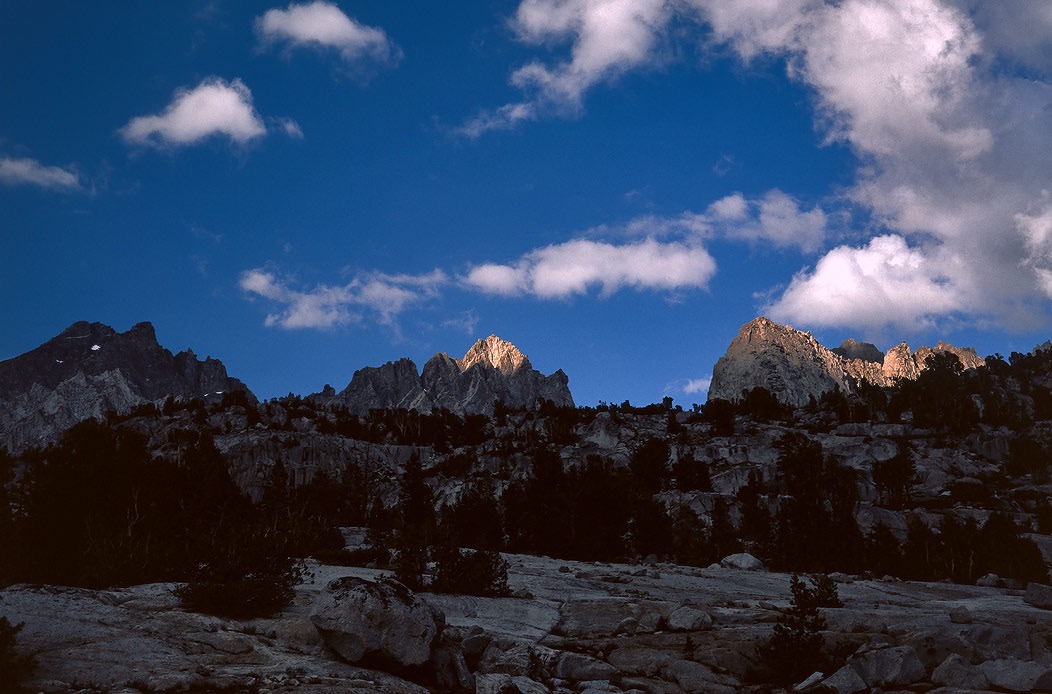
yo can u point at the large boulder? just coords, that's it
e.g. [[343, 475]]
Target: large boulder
[[381, 620]]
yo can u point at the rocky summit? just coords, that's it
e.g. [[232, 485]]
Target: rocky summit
[[493, 370], [90, 369], [794, 367]]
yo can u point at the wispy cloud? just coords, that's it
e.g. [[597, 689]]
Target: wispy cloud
[[215, 107], [323, 25], [774, 219], [697, 385], [608, 37], [31, 172], [466, 322], [380, 295]]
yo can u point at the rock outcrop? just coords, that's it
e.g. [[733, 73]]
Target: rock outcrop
[[794, 367], [492, 370], [90, 369]]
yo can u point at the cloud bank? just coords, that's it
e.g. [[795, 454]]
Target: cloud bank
[[947, 105], [214, 107], [323, 25], [671, 255], [31, 172], [650, 253]]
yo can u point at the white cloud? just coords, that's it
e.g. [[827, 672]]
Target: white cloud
[[575, 267], [697, 385], [214, 107], [776, 218], [947, 105], [324, 25], [952, 149], [884, 283], [290, 127], [32, 172], [609, 37], [327, 306], [662, 253]]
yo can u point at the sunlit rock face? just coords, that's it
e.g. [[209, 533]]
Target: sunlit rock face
[[492, 370], [90, 369], [794, 367]]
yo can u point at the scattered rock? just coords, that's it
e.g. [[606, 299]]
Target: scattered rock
[[689, 619], [989, 581], [743, 561], [889, 667], [809, 682], [578, 667], [450, 668], [845, 681], [958, 673], [695, 677], [1017, 675], [960, 615], [1039, 595], [635, 660]]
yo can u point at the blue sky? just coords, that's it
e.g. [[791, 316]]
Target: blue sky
[[615, 186]]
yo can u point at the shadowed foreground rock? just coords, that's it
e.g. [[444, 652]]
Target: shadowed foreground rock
[[585, 627]]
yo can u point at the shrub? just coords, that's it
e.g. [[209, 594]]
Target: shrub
[[483, 572], [248, 573], [363, 557], [13, 667]]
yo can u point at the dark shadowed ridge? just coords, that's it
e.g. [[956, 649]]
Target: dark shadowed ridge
[[90, 369]]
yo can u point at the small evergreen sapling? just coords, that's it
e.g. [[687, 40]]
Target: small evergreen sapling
[[794, 650]]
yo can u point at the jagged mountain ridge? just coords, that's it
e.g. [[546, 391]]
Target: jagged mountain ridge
[[90, 369], [492, 370], [794, 367]]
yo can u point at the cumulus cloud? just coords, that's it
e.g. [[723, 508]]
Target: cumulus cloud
[[31, 172], [885, 282], [952, 150], [380, 295], [214, 107], [323, 25], [576, 267]]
